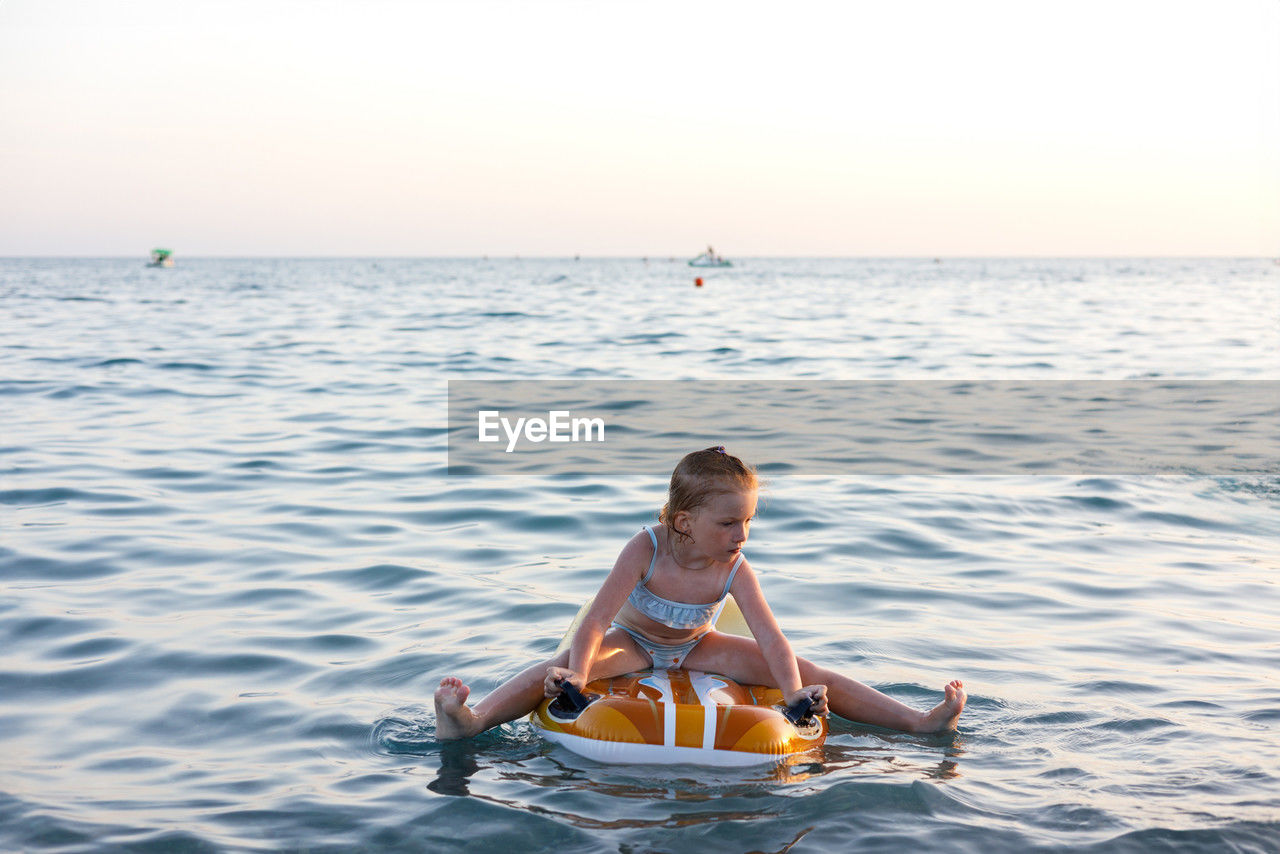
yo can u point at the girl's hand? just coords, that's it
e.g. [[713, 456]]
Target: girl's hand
[[555, 675], [819, 695]]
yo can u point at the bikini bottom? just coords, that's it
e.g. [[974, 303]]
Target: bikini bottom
[[665, 656]]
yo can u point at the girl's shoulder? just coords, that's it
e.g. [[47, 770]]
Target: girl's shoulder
[[655, 538], [742, 568], [640, 550]]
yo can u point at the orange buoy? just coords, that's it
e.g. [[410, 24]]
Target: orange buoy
[[697, 283]]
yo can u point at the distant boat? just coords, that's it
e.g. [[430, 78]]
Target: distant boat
[[710, 259], [161, 258]]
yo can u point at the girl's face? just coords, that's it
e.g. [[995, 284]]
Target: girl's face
[[721, 526]]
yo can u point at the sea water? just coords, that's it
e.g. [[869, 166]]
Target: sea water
[[235, 565]]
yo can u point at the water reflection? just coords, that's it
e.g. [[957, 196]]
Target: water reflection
[[555, 788], [457, 764]]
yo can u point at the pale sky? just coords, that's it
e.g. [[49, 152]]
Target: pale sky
[[417, 128]]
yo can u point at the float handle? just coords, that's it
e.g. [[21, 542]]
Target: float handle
[[571, 699], [798, 712]]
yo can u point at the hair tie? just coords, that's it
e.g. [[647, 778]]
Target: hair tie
[[720, 449]]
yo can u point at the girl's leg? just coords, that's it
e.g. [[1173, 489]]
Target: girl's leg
[[740, 659], [520, 695]]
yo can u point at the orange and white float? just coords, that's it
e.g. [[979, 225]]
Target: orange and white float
[[678, 716]]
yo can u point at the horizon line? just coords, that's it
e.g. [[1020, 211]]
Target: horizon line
[[637, 257]]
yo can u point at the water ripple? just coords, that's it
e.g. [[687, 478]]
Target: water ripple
[[237, 565]]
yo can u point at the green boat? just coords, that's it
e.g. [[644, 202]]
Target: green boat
[[161, 258]]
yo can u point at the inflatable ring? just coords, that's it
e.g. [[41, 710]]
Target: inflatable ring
[[672, 716], [678, 716]]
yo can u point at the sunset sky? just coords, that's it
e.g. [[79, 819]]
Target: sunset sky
[[382, 127]]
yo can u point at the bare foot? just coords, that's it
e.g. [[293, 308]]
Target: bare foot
[[943, 717], [453, 719]]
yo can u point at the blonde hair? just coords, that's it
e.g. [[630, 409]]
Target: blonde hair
[[701, 475]]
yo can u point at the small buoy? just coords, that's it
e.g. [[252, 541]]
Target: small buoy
[[697, 283]]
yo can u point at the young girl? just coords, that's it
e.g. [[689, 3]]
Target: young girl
[[642, 618]]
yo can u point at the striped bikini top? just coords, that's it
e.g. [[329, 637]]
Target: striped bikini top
[[677, 615]]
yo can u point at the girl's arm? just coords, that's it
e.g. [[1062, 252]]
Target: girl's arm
[[626, 572], [774, 646]]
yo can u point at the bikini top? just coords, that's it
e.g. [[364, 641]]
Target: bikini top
[[677, 615]]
